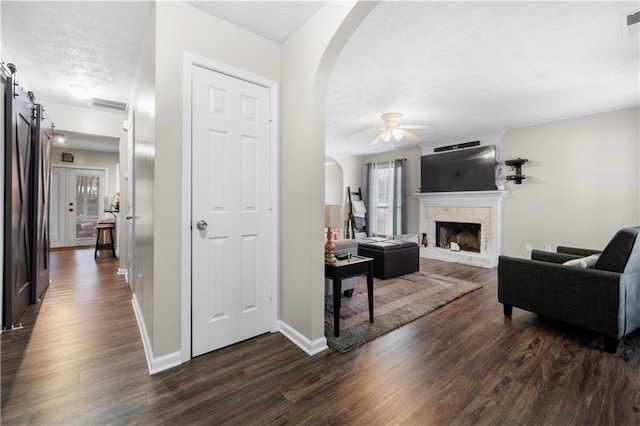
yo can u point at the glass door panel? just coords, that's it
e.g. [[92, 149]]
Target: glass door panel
[[85, 206], [87, 211]]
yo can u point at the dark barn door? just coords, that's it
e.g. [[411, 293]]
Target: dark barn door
[[42, 140], [17, 208]]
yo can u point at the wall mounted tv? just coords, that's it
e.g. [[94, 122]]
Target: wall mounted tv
[[471, 169]]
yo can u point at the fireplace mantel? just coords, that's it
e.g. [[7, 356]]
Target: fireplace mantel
[[484, 207], [467, 198]]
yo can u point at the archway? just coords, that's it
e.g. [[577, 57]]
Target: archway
[[307, 59]]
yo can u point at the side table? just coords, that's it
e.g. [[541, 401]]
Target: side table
[[348, 268]]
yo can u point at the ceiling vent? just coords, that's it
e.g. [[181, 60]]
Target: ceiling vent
[[106, 103]]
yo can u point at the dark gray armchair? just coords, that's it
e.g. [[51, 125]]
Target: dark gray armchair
[[604, 298]]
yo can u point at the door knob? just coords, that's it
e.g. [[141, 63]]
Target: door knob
[[201, 225]]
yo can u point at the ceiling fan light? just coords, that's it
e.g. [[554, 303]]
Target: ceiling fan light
[[386, 136], [397, 134]]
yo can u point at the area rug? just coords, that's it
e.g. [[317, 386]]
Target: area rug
[[396, 302]]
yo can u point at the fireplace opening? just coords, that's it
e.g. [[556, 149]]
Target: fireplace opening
[[466, 235]]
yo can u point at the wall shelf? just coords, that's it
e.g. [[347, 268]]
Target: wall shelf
[[517, 165]]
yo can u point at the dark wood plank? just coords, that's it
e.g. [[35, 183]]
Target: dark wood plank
[[80, 360]]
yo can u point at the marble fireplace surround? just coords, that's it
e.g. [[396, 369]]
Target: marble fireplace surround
[[483, 207]]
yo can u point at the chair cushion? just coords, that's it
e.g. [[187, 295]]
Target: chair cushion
[[583, 262], [621, 254]]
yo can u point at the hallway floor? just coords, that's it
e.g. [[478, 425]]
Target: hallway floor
[[80, 361]]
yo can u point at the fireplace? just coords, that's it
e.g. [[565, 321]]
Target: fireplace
[[472, 220], [465, 235]]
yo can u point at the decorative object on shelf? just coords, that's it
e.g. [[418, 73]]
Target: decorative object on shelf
[[424, 239], [517, 165], [67, 157], [332, 219]]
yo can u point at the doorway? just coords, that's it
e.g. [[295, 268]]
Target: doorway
[[77, 203]]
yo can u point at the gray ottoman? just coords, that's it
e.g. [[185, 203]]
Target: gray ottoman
[[391, 258]]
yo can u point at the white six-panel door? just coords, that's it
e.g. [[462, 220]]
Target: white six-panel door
[[234, 251]]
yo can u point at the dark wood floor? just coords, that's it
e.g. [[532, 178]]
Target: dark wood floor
[[80, 361]]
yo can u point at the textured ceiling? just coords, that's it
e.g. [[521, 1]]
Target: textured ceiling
[[92, 44], [274, 20], [467, 69], [96, 45], [473, 69]]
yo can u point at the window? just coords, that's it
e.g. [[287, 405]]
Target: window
[[385, 189]]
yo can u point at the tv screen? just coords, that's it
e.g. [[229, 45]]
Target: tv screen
[[471, 169]]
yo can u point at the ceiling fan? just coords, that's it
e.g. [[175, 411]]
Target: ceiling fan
[[396, 131]]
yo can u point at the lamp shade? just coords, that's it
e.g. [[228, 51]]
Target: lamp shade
[[332, 216]]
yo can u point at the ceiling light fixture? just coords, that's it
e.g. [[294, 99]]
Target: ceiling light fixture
[[59, 137], [79, 92], [398, 131]]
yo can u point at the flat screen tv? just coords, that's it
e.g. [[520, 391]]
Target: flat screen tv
[[471, 169]]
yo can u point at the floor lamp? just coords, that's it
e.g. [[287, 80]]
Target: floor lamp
[[332, 219]]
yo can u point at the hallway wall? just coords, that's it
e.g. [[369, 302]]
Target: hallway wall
[[86, 158], [213, 38]]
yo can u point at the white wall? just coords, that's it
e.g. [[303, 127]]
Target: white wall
[[180, 28], [351, 170], [413, 181], [582, 182], [85, 120], [307, 58], [143, 104], [122, 224], [86, 158], [333, 182], [303, 71]]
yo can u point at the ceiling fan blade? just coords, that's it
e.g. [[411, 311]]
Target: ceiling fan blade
[[416, 127], [386, 135], [375, 141], [411, 137]]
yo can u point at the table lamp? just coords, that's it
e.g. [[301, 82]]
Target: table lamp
[[332, 219]]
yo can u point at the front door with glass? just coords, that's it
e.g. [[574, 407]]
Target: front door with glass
[[76, 205]]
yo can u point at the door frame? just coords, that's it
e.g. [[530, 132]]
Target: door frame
[[78, 166], [190, 60], [129, 222]]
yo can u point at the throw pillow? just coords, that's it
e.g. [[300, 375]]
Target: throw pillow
[[583, 262]]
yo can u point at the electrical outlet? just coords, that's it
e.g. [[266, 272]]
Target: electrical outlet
[[528, 247], [547, 248]]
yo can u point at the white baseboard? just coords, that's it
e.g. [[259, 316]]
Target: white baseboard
[[155, 365], [122, 271], [165, 362], [310, 347]]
